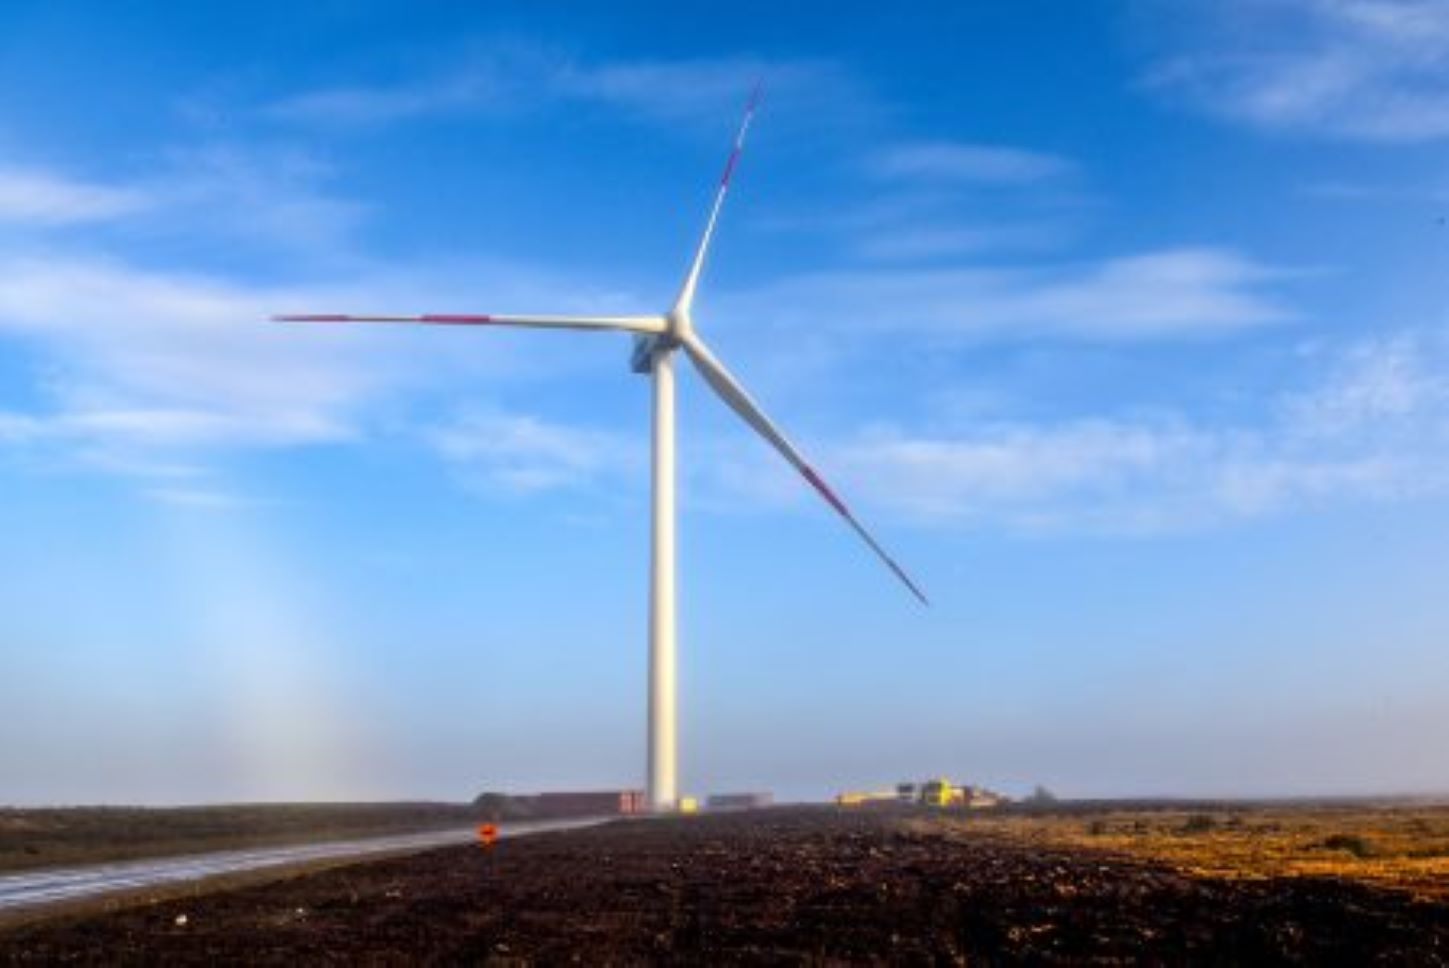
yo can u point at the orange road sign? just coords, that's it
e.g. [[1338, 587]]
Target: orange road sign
[[487, 833]]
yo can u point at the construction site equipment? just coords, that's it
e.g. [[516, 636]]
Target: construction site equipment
[[936, 793]]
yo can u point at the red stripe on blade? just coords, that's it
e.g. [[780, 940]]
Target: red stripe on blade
[[824, 490], [729, 167], [839, 505]]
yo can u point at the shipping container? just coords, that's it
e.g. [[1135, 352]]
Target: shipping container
[[593, 803], [739, 801]]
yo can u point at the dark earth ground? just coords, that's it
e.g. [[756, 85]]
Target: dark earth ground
[[780, 886]]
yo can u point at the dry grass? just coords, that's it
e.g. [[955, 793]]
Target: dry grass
[[37, 838], [1405, 848]]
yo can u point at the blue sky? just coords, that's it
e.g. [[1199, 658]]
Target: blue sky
[[1123, 324]]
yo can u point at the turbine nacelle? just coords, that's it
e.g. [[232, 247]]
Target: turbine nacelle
[[677, 328], [678, 324], [641, 358]]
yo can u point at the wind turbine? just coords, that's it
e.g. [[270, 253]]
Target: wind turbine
[[656, 338]]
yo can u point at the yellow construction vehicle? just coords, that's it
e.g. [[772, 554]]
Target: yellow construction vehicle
[[937, 793]]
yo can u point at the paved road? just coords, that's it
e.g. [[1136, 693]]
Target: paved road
[[37, 888]]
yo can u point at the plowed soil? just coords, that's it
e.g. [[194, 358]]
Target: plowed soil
[[787, 885]]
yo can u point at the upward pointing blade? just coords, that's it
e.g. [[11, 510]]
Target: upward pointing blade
[[730, 391], [691, 279]]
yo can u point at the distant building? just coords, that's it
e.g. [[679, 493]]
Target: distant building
[[975, 796], [855, 798], [600, 803]]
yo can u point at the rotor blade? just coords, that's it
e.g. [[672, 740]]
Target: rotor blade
[[739, 401], [632, 324], [691, 280]]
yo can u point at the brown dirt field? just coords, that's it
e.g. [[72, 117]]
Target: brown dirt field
[[787, 885]]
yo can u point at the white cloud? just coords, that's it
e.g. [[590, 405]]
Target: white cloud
[[157, 349], [522, 453], [1376, 192], [275, 198], [1389, 380], [1369, 69], [153, 370], [1368, 422], [709, 87], [363, 105], [1018, 464], [30, 195], [969, 163], [1375, 428], [912, 244], [197, 498], [922, 218], [181, 428], [1153, 295], [1412, 22], [1117, 476], [19, 427], [147, 372], [512, 77]]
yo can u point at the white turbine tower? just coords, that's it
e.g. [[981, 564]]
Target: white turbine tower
[[655, 341]]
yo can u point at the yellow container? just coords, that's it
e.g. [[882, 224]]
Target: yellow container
[[688, 804]]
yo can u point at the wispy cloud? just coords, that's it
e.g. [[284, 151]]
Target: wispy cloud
[[917, 244], [1376, 193], [1369, 69], [32, 195], [924, 203], [148, 371], [176, 428], [1119, 477], [523, 453], [1375, 428], [513, 77], [158, 375], [156, 351], [198, 498], [383, 104], [1164, 294], [1363, 422], [20, 428], [705, 87], [1395, 381], [278, 199], [969, 163]]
